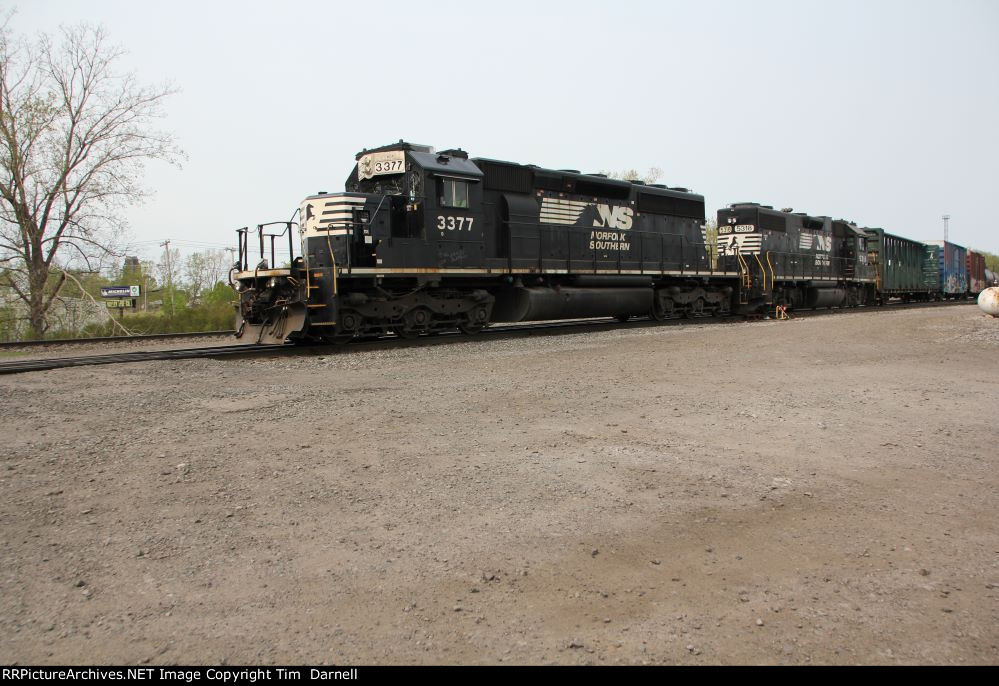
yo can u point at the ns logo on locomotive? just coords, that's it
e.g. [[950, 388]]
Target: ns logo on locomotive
[[422, 242]]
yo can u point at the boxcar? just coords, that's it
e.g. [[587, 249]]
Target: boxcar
[[906, 269], [953, 267], [977, 281]]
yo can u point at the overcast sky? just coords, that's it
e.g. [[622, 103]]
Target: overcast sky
[[884, 112]]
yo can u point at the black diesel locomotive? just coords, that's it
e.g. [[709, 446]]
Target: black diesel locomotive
[[791, 259], [424, 241]]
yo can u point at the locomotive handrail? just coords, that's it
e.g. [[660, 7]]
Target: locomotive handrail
[[272, 236], [329, 246], [243, 235], [763, 273], [241, 244], [744, 271]]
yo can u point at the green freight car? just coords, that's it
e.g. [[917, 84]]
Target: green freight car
[[906, 269]]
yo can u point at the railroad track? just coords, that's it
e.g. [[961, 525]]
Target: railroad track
[[114, 339], [37, 365], [511, 331]]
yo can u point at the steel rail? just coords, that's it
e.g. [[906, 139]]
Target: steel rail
[[34, 365], [114, 339]]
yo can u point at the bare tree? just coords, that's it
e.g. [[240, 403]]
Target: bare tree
[[651, 176], [169, 269], [74, 136], [202, 270]]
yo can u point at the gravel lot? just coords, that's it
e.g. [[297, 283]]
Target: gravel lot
[[822, 490]]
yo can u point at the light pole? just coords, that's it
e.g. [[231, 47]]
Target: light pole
[[166, 244]]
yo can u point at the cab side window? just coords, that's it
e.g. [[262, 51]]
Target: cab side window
[[452, 193]]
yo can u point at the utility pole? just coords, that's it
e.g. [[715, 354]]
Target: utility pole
[[946, 219], [166, 244]]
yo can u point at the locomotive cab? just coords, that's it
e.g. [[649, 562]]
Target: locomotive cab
[[431, 202], [404, 207]]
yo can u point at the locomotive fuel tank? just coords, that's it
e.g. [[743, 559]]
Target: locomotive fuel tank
[[520, 304], [826, 297]]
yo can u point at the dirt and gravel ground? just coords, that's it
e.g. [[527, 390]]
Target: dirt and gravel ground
[[821, 490]]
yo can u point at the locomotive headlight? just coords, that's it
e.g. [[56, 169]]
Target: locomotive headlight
[[272, 282]]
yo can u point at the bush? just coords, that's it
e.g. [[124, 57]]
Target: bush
[[207, 317]]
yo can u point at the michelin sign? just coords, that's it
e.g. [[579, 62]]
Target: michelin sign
[[119, 291]]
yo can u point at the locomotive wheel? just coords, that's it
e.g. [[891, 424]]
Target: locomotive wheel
[[478, 319], [656, 315], [420, 317], [418, 320], [349, 322], [347, 328]]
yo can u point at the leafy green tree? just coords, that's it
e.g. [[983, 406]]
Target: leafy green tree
[[991, 261], [220, 295]]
